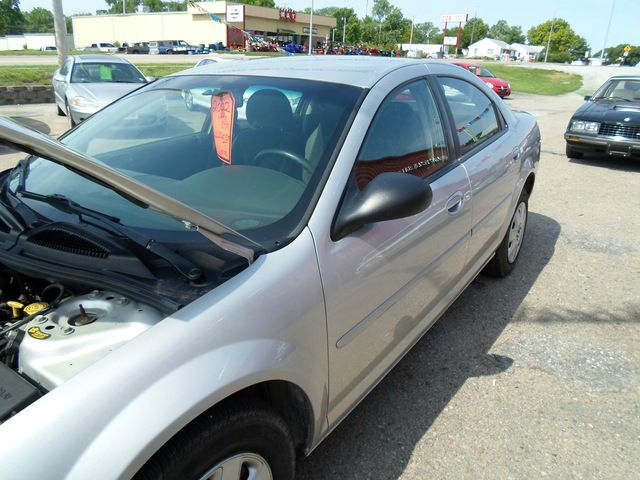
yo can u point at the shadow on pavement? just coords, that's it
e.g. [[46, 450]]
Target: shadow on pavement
[[38, 125], [377, 439], [624, 164]]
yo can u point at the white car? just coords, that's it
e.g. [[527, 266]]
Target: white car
[[102, 47]]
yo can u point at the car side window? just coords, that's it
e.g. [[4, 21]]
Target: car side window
[[406, 135], [473, 112], [65, 67]]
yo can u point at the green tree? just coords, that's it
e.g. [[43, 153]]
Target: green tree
[[260, 3], [424, 32], [369, 30], [343, 17], [475, 29], [354, 30], [616, 54], [175, 6], [502, 31], [38, 20], [115, 6], [565, 44], [381, 9], [11, 18]]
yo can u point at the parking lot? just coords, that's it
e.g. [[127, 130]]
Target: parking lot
[[536, 375]]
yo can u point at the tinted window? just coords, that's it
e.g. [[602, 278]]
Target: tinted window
[[106, 72], [406, 135], [474, 114]]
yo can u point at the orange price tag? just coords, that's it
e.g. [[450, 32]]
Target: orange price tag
[[223, 108]]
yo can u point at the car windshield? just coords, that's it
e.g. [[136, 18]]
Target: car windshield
[[106, 72], [256, 165], [625, 89]]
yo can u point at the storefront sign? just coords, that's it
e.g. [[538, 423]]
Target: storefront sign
[[450, 41], [306, 30], [235, 13], [288, 14], [454, 18]]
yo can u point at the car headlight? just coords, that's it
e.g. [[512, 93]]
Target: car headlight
[[582, 126], [489, 84], [83, 102], [509, 86]]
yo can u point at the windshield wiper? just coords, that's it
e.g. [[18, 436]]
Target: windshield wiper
[[179, 263]]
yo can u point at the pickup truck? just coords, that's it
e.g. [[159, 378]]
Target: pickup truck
[[138, 47]]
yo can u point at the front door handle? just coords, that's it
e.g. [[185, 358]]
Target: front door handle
[[454, 203]]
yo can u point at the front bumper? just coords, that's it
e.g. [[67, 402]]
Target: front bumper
[[80, 114], [502, 91], [601, 145]]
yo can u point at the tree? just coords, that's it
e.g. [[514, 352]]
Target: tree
[[38, 20], [369, 30], [115, 6], [616, 54], [343, 17], [502, 31], [260, 3], [381, 9], [11, 18], [424, 32], [474, 30], [565, 44]]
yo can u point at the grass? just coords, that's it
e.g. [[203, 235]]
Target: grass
[[39, 52], [16, 75], [537, 80]]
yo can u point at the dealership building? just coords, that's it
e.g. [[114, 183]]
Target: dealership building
[[196, 25]]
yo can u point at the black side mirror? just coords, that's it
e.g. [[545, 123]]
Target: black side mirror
[[388, 196], [587, 98]]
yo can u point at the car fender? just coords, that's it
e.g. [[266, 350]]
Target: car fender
[[266, 323]]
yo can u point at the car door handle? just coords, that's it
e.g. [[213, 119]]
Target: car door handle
[[454, 203], [516, 153]]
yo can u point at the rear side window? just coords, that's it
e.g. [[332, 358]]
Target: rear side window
[[474, 114], [406, 135]]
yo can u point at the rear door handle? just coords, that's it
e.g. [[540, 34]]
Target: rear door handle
[[516, 153], [454, 203]]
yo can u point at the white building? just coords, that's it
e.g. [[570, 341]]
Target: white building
[[489, 47], [527, 53], [31, 41]]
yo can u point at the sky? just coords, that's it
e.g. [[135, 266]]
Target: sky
[[588, 18]]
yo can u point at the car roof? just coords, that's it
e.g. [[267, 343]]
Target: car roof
[[625, 77], [98, 59], [359, 71]]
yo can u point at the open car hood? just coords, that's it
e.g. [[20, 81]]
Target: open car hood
[[19, 137]]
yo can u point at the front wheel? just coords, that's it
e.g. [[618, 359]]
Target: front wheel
[[235, 443], [506, 255]]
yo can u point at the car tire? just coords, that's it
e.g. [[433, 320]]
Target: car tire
[[170, 52], [508, 251], [135, 52], [571, 153], [247, 437]]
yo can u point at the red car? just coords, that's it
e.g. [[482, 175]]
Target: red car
[[500, 86]]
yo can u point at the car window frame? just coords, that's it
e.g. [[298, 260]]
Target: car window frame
[[503, 126]]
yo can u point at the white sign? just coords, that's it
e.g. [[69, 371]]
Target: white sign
[[454, 18], [450, 40], [235, 13]]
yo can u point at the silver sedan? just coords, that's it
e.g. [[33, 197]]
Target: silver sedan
[[87, 83], [198, 290]]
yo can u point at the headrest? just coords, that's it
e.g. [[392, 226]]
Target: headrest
[[269, 108]]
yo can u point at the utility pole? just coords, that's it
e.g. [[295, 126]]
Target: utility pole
[[344, 27], [546, 53], [473, 28], [123, 11], [310, 30], [606, 35], [411, 35], [60, 27]]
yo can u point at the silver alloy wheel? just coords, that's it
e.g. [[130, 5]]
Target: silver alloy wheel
[[243, 466], [516, 232]]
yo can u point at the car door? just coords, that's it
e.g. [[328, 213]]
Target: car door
[[387, 282], [489, 157], [60, 82]]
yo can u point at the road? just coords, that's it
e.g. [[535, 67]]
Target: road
[[536, 375]]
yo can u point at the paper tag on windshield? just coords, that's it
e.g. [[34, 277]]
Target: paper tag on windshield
[[223, 108], [105, 73]]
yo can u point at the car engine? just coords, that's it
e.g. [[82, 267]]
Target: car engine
[[49, 333]]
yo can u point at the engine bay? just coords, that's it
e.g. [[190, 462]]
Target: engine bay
[[49, 332]]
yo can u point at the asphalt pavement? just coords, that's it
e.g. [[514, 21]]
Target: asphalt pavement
[[532, 376]]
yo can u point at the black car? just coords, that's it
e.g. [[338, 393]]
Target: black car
[[608, 123], [138, 48]]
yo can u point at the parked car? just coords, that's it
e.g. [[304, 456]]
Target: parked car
[[50, 48], [608, 122], [498, 85], [170, 47], [186, 293], [87, 83], [138, 48], [102, 47], [210, 60]]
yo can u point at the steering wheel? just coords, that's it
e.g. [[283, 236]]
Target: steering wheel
[[286, 155]]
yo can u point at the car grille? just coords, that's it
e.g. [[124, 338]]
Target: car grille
[[617, 130]]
